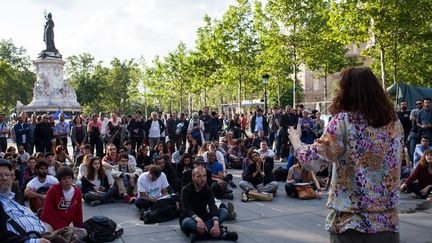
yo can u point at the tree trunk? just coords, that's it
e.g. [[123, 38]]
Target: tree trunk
[[181, 97], [325, 85], [383, 71], [278, 91], [239, 93], [190, 104]]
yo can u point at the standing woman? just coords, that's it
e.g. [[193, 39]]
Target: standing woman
[[364, 143], [114, 131], [78, 134], [196, 129]]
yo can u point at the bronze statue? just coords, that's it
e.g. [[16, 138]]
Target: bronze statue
[[49, 34]]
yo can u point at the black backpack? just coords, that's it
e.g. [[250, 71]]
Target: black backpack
[[101, 229], [162, 210]]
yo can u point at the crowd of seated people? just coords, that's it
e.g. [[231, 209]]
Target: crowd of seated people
[[165, 156]]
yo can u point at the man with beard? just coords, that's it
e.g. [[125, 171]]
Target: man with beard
[[404, 117], [38, 186], [195, 220], [13, 215]]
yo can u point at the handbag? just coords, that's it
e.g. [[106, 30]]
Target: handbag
[[305, 192]]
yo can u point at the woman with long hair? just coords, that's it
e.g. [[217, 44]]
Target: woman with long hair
[[61, 156], [29, 172], [297, 174], [420, 181], [78, 134], [143, 159], [256, 177], [95, 187], [364, 142], [193, 147]]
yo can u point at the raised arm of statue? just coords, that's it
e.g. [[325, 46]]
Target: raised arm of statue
[[49, 34]]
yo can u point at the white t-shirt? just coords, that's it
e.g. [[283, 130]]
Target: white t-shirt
[[81, 171], [35, 184], [96, 182], [219, 157], [154, 130], [259, 123], [152, 188], [68, 197], [24, 157]]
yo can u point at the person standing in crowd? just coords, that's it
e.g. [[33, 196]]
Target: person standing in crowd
[[78, 134], [318, 125], [62, 130], [365, 183], [307, 128], [43, 135], [205, 117], [34, 121], [94, 128], [171, 128], [104, 120], [22, 132], [259, 123], [288, 118], [273, 121], [424, 118], [196, 129], [183, 128], [154, 127], [404, 117], [415, 130], [136, 129], [214, 126], [114, 132], [4, 131]]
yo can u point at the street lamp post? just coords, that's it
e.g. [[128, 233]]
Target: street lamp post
[[265, 79]]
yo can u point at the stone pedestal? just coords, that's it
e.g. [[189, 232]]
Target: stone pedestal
[[51, 92]]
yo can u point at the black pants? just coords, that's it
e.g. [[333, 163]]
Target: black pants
[[136, 142], [3, 144], [415, 187], [44, 147], [354, 236], [96, 143]]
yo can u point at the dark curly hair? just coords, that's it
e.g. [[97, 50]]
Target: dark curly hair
[[359, 91]]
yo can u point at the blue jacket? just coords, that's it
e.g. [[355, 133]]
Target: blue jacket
[[22, 129]]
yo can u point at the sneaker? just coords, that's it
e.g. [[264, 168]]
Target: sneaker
[[232, 215], [232, 184], [132, 200], [127, 198], [95, 203], [227, 235]]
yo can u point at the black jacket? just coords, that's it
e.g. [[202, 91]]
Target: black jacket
[[148, 125], [195, 203]]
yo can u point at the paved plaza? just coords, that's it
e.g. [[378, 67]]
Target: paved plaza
[[281, 220]]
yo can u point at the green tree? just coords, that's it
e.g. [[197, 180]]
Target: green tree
[[16, 79]]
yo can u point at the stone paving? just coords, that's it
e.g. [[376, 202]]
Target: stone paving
[[281, 220]]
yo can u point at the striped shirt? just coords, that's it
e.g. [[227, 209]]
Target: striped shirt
[[21, 215]]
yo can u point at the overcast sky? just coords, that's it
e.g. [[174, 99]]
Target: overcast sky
[[108, 28]]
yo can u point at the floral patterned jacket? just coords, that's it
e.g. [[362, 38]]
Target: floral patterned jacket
[[365, 175]]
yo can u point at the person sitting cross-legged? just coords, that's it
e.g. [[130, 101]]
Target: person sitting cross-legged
[[195, 220], [420, 181], [63, 203], [95, 186], [37, 187], [255, 176], [297, 174], [152, 185], [125, 177], [219, 185]]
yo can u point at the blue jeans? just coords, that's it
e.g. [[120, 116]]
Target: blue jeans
[[413, 137], [189, 225]]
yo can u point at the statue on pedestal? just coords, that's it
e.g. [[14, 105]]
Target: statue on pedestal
[[48, 37]]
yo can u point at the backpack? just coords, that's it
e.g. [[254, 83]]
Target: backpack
[[101, 229], [162, 210], [280, 174]]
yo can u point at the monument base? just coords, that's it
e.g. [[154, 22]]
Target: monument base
[[51, 92]]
